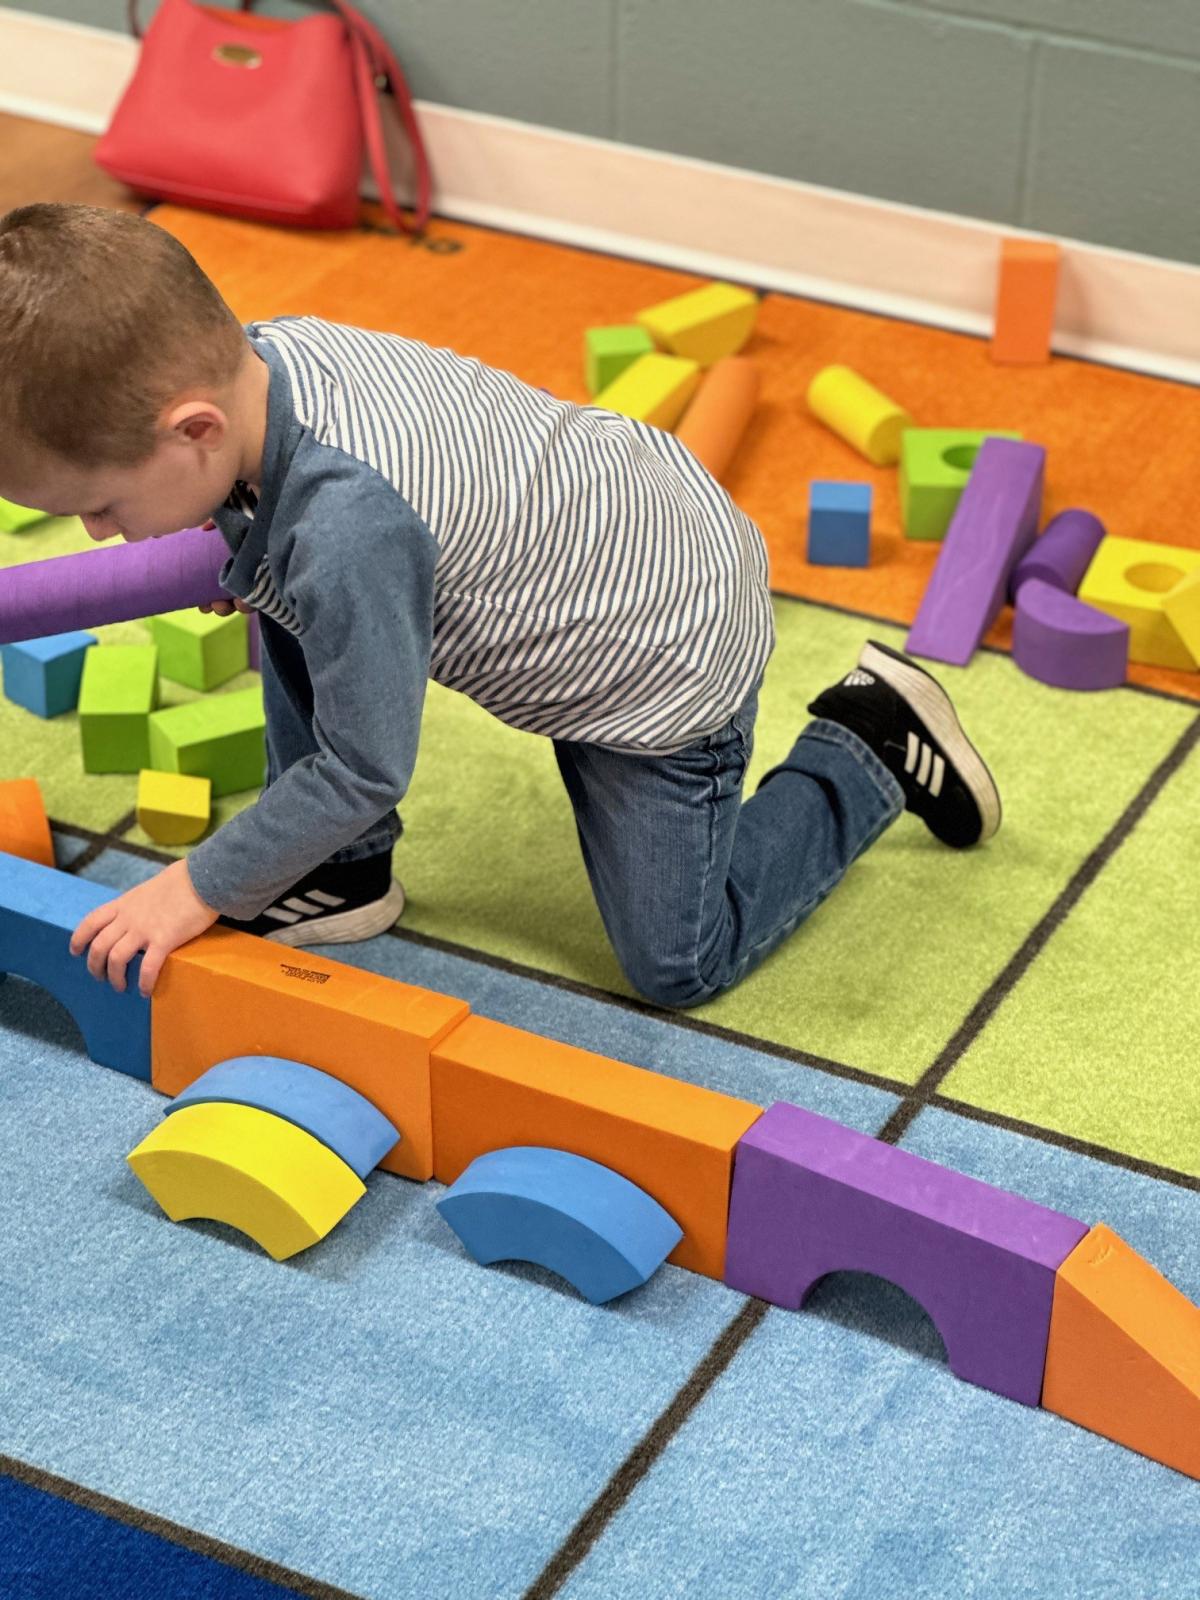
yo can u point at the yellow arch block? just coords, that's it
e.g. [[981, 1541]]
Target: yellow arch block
[[260, 1174], [705, 324], [1131, 579]]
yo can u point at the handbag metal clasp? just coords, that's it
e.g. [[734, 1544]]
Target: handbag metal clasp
[[237, 55]]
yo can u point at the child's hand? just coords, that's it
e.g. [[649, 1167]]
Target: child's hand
[[157, 917], [224, 608]]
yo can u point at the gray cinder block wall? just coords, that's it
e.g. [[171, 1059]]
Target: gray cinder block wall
[[1073, 117]]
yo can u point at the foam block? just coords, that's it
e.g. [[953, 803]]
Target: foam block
[[324, 1106], [495, 1086], [24, 825], [704, 324], [839, 524], [1130, 579], [935, 464], [567, 1214], [654, 389], [1026, 289], [993, 526], [255, 1172], [44, 675], [1182, 606], [222, 738], [1124, 1352], [859, 413], [172, 808], [228, 994], [14, 517], [117, 693], [200, 649], [1061, 554], [713, 425], [40, 909], [811, 1197], [1064, 642], [608, 351]]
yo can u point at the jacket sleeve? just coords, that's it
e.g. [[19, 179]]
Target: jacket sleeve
[[363, 597]]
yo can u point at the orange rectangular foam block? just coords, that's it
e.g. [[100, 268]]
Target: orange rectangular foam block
[[495, 1086], [24, 825], [1025, 294], [1124, 1352], [231, 994]]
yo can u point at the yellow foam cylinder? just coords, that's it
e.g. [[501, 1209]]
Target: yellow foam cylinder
[[859, 413], [714, 423], [256, 1172]]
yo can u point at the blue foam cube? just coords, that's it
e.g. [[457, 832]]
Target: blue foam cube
[[839, 524], [43, 674]]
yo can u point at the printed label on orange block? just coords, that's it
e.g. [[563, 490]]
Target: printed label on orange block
[[1124, 1352], [495, 1086], [230, 994], [24, 826]]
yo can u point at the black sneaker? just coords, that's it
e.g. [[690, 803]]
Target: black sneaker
[[902, 713], [337, 903]]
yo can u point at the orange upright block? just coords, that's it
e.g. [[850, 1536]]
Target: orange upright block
[[1124, 1352], [24, 826], [495, 1086], [714, 423], [230, 994], [1025, 296]]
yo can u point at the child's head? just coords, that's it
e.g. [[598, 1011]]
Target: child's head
[[126, 375]]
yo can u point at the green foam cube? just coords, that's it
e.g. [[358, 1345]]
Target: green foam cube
[[199, 649], [117, 693], [935, 464], [608, 351], [222, 738]]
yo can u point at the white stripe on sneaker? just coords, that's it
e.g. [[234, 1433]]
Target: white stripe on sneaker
[[280, 914], [939, 772], [325, 899]]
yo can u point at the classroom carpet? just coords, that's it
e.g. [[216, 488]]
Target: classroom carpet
[[379, 1417]]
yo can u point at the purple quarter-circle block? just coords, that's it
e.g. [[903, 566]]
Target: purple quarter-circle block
[[1061, 640], [1061, 554], [811, 1197]]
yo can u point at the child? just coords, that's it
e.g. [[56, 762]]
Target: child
[[395, 513]]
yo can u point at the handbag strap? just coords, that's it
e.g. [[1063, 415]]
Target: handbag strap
[[376, 71]]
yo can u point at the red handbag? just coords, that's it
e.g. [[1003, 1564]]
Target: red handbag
[[262, 118]]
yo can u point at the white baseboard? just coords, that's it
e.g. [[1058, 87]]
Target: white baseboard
[[1114, 306]]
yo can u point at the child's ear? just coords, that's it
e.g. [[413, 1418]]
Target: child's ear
[[198, 422]]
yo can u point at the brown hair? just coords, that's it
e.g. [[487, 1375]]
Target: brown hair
[[104, 320]]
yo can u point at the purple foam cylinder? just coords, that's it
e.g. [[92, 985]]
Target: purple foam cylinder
[[1062, 554], [811, 1197], [114, 583], [1060, 640], [993, 526]]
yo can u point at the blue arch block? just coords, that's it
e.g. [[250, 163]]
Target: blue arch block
[[39, 910], [564, 1212], [341, 1118]]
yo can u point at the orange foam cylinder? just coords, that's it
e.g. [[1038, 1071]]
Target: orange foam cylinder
[[496, 1086], [1025, 294], [24, 825], [717, 418]]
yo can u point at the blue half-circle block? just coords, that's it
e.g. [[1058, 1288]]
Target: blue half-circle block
[[341, 1118], [571, 1215]]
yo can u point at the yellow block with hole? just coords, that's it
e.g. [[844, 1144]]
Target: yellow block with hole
[[1182, 605], [654, 389], [1130, 579], [704, 324], [172, 807], [256, 1172]]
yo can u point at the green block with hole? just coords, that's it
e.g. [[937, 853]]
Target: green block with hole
[[199, 649], [117, 693], [935, 464], [608, 351], [221, 738]]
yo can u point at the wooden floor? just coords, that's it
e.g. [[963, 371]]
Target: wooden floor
[[42, 162]]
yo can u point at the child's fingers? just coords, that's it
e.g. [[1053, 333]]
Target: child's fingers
[[91, 926], [119, 957], [152, 965], [102, 943]]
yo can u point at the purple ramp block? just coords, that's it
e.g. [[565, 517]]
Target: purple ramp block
[[111, 584], [993, 526], [812, 1197], [1062, 554], [1060, 640]]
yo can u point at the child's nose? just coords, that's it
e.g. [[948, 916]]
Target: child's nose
[[98, 527]]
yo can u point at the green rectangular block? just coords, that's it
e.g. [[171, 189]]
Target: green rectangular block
[[222, 738], [117, 693], [935, 464], [200, 649]]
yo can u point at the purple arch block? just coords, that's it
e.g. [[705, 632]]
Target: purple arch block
[[1062, 554], [811, 1197], [1062, 641]]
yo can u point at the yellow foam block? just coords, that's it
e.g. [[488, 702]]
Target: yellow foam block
[[864, 416], [1182, 605], [172, 807], [654, 389], [1130, 579], [256, 1172], [704, 324]]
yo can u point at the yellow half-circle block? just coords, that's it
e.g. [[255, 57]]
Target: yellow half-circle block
[[1131, 579], [705, 324], [172, 807], [1182, 605], [654, 389], [236, 1164]]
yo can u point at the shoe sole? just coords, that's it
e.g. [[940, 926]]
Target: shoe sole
[[930, 701], [345, 927]]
